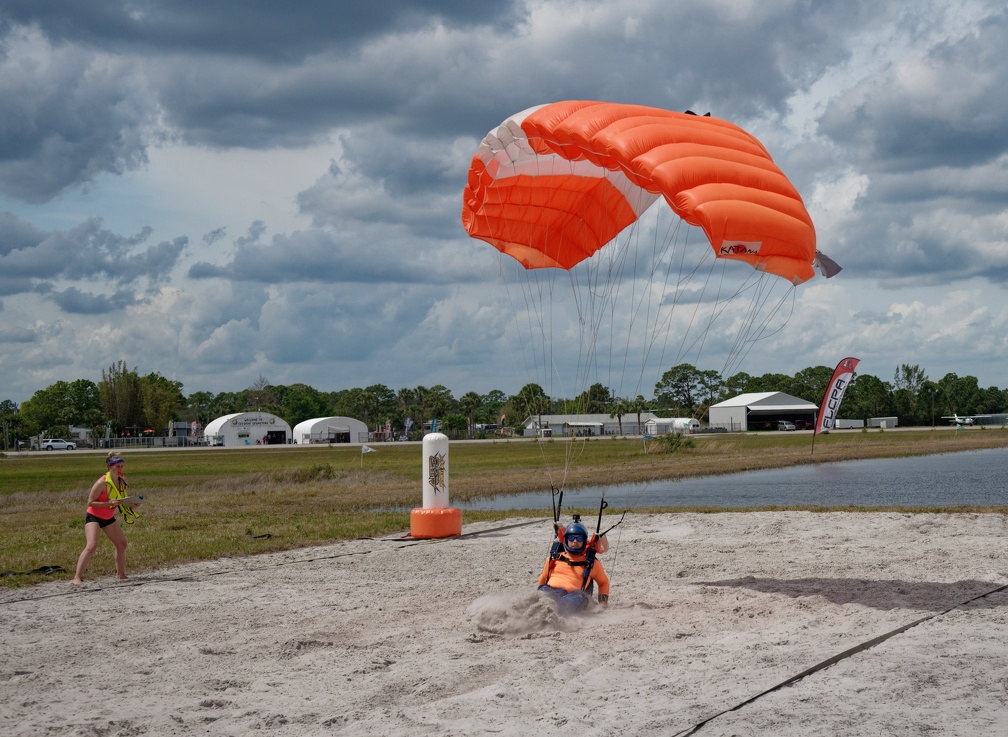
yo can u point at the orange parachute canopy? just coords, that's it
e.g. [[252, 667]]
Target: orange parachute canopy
[[555, 183]]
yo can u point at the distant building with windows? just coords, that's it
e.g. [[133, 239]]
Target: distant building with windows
[[247, 429], [585, 425]]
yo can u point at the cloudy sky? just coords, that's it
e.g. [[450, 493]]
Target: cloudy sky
[[224, 191]]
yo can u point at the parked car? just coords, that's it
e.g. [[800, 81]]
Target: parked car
[[804, 425], [57, 444], [785, 425]]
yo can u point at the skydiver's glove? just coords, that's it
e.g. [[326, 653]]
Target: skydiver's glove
[[603, 599]]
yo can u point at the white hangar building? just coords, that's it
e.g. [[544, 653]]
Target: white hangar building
[[330, 430], [247, 428], [760, 411]]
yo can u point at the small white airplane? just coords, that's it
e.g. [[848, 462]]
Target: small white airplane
[[957, 420]]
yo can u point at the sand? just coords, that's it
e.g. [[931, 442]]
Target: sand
[[448, 637]]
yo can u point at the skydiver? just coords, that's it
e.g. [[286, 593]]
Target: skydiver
[[570, 572]]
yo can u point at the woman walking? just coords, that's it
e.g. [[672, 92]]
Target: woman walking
[[100, 517]]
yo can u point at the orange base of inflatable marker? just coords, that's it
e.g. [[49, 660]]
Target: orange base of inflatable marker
[[426, 523]]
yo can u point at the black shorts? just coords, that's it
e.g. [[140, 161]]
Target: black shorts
[[88, 517]]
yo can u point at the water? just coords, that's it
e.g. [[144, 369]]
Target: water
[[970, 478]]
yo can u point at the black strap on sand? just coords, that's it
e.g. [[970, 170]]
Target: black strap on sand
[[43, 570], [836, 659]]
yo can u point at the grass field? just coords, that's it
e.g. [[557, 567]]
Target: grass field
[[208, 503]]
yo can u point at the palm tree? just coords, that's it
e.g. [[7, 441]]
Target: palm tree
[[530, 401], [639, 405], [469, 403], [621, 407]]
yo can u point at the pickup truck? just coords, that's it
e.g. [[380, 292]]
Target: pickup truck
[[57, 444]]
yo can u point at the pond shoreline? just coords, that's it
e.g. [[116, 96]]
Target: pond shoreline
[[720, 455]]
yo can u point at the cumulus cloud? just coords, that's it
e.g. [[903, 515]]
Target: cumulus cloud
[[87, 252], [185, 133], [70, 113], [939, 107]]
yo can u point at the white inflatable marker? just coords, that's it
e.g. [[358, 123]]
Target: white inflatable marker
[[435, 518]]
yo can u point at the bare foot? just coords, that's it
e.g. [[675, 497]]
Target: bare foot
[[76, 582], [122, 578]]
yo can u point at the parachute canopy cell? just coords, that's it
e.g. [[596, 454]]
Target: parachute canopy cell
[[555, 183]]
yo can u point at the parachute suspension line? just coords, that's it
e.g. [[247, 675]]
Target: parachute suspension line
[[597, 294], [642, 298], [515, 314], [702, 337], [693, 318], [545, 282], [591, 287], [664, 328], [792, 293], [529, 288], [543, 304], [632, 238], [532, 321], [522, 348], [615, 548], [540, 307], [605, 297], [594, 284], [747, 334], [682, 278], [741, 337], [601, 294], [764, 331], [646, 299], [573, 444], [616, 267], [527, 321], [620, 312], [518, 316], [744, 339]]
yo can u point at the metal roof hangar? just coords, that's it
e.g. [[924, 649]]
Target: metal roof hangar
[[760, 411]]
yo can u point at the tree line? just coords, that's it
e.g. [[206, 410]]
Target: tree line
[[127, 403], [911, 396]]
